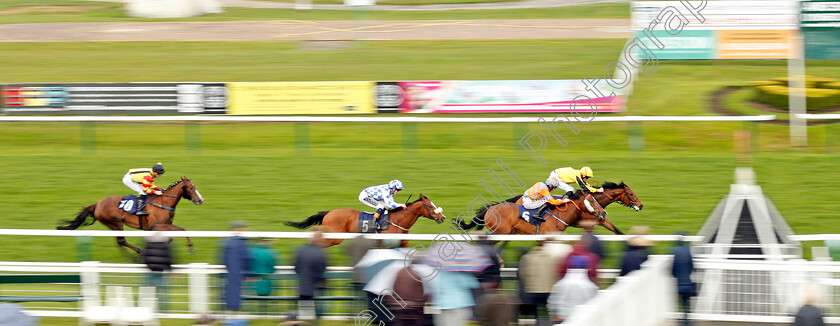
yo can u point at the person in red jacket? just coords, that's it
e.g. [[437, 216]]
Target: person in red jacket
[[581, 248]]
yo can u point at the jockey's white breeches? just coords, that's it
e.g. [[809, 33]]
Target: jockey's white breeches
[[533, 204], [132, 184], [367, 200]]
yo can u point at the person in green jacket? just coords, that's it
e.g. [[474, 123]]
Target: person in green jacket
[[263, 259]]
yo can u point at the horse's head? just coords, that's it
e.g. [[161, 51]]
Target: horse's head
[[592, 206], [189, 191], [635, 203], [621, 194], [430, 210]]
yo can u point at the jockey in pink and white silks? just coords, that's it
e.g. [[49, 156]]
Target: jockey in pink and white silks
[[381, 197]]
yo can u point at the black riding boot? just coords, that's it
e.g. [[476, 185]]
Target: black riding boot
[[539, 214], [382, 223], [141, 209]]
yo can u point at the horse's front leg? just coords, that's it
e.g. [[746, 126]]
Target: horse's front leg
[[172, 227], [605, 222]]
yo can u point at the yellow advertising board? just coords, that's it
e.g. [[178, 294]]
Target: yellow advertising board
[[301, 98], [754, 44]]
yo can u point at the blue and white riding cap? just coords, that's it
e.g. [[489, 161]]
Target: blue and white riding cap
[[395, 184]]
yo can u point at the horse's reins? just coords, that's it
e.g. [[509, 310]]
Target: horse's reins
[[623, 193], [415, 213], [578, 207], [557, 218], [167, 207]]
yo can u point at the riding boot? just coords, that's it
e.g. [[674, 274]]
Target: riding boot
[[141, 209], [377, 215], [385, 220], [539, 215]]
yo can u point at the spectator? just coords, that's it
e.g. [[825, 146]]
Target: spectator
[[809, 314], [310, 265], [374, 287], [356, 249], [581, 248], [412, 293], [263, 259], [497, 310], [536, 274], [452, 294], [491, 277], [682, 268], [158, 258], [558, 250], [637, 251], [235, 258], [595, 245], [574, 289]]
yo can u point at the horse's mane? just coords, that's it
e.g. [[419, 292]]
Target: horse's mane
[[612, 185], [400, 208], [175, 183], [574, 195]]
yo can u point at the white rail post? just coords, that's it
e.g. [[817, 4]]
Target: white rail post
[[199, 288]]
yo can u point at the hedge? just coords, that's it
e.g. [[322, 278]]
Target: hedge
[[816, 98]]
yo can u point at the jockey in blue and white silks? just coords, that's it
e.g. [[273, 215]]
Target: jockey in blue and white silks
[[381, 197]]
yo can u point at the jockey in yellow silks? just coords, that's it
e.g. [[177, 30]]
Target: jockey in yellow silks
[[567, 176], [143, 182]]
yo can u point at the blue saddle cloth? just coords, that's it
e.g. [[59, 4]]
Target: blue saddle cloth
[[129, 203], [530, 214], [367, 224]]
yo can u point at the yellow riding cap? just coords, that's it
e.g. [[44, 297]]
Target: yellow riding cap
[[586, 172]]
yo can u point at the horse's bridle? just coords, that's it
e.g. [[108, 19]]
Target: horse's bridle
[[184, 192], [429, 210], [623, 194]]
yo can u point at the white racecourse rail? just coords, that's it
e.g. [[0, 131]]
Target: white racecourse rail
[[306, 235], [237, 118]]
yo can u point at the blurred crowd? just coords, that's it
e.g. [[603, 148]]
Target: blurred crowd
[[447, 284]]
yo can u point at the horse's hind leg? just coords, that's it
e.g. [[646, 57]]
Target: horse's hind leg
[[122, 242], [171, 227]]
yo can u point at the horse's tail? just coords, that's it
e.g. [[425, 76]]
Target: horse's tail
[[479, 215], [477, 221], [80, 220], [309, 221]]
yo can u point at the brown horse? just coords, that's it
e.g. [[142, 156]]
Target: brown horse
[[161, 211], [503, 218], [613, 193], [346, 219]]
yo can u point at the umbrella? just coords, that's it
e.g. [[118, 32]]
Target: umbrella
[[387, 276], [457, 257], [374, 262], [11, 314], [382, 265]]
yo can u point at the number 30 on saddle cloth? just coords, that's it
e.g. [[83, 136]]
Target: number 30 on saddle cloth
[[129, 203]]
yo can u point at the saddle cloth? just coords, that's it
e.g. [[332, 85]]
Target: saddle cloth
[[129, 203], [367, 225], [530, 215]]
